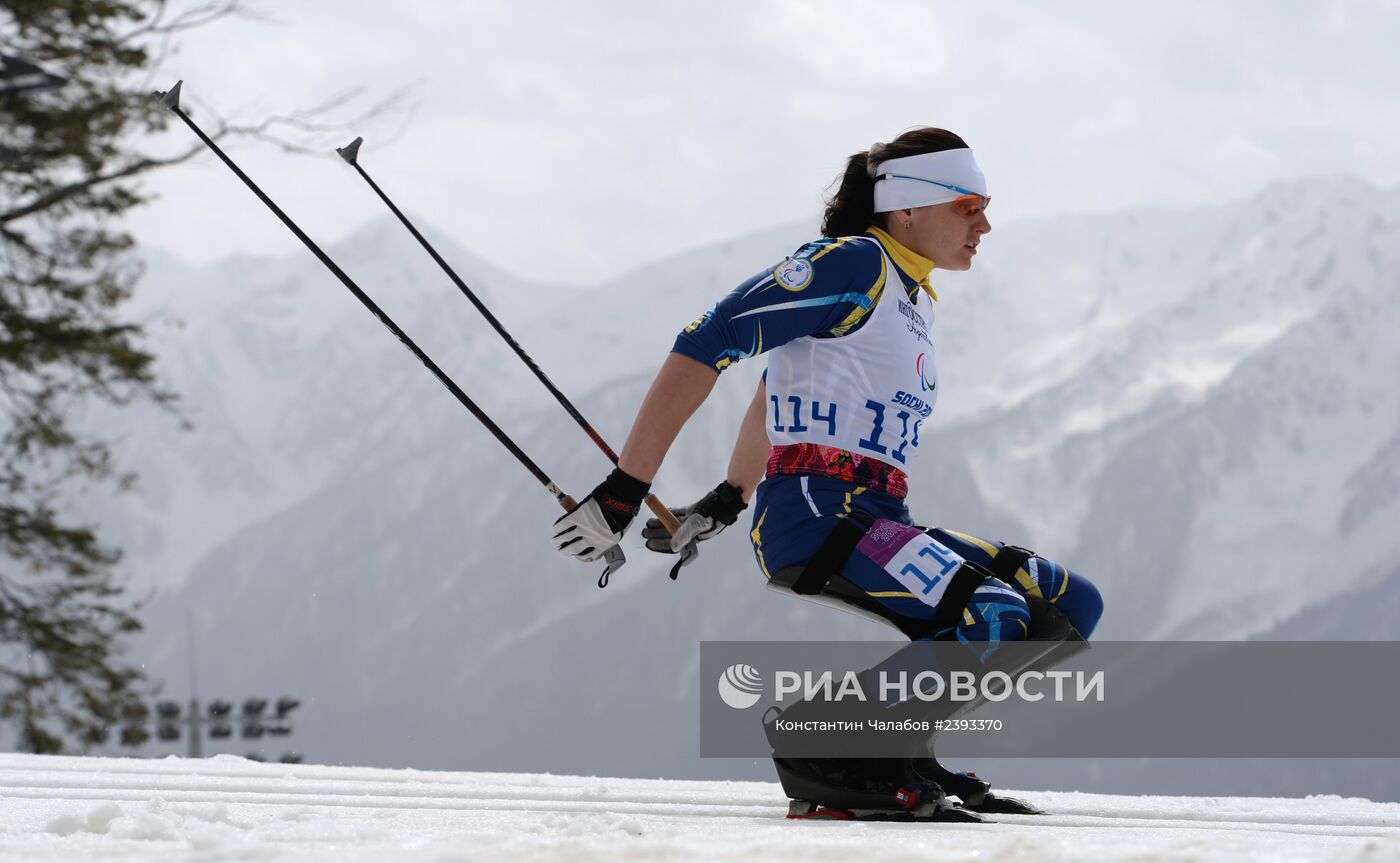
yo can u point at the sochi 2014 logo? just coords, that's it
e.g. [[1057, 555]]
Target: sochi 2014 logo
[[923, 378], [740, 686]]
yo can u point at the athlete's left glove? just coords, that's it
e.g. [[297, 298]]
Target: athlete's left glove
[[700, 521], [589, 530]]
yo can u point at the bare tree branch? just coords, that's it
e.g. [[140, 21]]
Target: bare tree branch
[[306, 122], [188, 19], [309, 122], [58, 196]]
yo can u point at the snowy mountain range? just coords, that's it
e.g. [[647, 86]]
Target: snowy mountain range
[[1197, 409]]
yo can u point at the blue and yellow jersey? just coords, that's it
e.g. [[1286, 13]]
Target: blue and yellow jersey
[[826, 289]]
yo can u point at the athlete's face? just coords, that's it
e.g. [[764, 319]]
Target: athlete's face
[[946, 234]]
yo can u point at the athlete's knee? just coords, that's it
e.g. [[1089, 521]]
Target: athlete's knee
[[1071, 593], [1082, 603]]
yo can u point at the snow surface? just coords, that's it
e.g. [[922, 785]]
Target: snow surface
[[228, 808]]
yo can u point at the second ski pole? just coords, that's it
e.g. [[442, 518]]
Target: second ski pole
[[350, 153], [171, 100]]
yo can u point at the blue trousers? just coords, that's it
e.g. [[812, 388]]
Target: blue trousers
[[793, 515]]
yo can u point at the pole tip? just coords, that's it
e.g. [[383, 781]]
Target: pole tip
[[351, 151], [170, 98]]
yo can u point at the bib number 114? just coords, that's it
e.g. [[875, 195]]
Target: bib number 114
[[797, 425]]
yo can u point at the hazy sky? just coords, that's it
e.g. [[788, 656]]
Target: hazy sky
[[572, 141]]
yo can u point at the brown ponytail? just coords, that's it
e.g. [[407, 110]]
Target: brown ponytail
[[852, 208]]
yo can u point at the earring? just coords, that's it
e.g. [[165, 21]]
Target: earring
[[908, 224]]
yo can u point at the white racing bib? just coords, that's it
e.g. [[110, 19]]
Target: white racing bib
[[869, 392]]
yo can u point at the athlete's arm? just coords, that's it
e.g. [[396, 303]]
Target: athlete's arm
[[808, 295], [718, 509], [750, 459], [679, 388], [755, 317], [828, 296]]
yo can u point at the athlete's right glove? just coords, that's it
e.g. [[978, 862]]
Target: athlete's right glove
[[700, 521], [597, 524]]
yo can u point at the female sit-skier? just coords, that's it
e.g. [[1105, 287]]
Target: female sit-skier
[[829, 443]]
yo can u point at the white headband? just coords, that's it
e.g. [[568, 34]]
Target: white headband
[[924, 179]]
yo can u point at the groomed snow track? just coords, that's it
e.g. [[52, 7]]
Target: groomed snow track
[[226, 808]]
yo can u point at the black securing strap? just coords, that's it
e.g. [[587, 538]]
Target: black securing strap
[[830, 559], [1007, 561], [966, 580]]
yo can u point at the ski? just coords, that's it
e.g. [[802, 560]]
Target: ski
[[939, 811], [974, 792]]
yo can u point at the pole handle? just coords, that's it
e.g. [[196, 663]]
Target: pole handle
[[661, 511]]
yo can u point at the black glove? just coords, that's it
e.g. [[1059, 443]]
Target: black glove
[[700, 521], [587, 531]]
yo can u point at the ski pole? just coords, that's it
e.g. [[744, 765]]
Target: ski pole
[[171, 100], [351, 153]]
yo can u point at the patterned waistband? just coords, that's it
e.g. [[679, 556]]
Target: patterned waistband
[[810, 459]]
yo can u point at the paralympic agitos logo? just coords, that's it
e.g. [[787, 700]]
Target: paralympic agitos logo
[[923, 378]]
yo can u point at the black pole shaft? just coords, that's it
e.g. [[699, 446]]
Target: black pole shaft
[[486, 313], [442, 377], [350, 153]]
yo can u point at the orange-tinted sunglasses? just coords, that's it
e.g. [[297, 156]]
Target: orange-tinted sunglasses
[[973, 204]]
